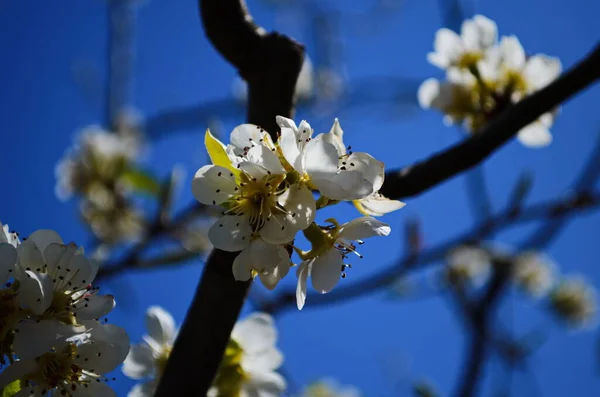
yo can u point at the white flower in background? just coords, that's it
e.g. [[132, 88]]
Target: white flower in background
[[574, 300], [147, 361], [74, 366], [251, 192], [509, 69], [269, 261], [451, 50], [534, 273], [467, 265], [330, 388], [251, 359], [55, 280], [305, 85], [325, 262], [484, 77], [97, 155]]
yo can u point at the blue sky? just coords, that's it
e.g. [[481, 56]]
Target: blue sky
[[379, 345]]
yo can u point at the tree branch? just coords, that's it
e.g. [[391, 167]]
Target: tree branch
[[270, 64], [544, 210], [416, 179]]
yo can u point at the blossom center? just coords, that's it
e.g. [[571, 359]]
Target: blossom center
[[161, 360], [469, 59], [257, 199], [231, 375], [56, 368]]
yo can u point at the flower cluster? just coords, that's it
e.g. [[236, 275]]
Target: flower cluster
[[50, 326], [266, 190], [571, 298], [484, 76], [248, 367], [99, 168]]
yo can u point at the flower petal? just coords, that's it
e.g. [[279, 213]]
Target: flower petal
[[160, 325], [266, 158], [93, 389], [513, 53], [245, 136], [541, 70], [302, 274], [29, 256], [364, 227], [36, 291], [428, 93], [279, 229], [33, 339], [243, 265], [17, 370], [535, 135], [264, 361], [290, 149], [230, 233], [264, 384], [139, 363], [8, 259], [145, 389], [448, 47], [300, 203], [326, 270], [44, 237], [377, 205], [284, 122], [320, 158], [255, 333], [94, 306], [213, 184]]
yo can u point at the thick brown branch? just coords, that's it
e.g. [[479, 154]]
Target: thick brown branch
[[416, 179], [270, 64]]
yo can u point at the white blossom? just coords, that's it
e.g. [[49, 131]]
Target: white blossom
[[98, 153], [73, 366], [251, 360], [55, 280], [575, 301], [534, 273], [255, 203], [483, 77], [330, 388], [452, 50], [467, 264], [147, 361], [325, 263], [8, 252]]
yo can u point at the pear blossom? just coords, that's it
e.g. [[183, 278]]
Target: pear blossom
[[147, 361], [534, 273], [248, 367], [269, 261], [55, 280], [97, 155], [575, 301], [73, 366], [452, 50], [467, 265], [251, 192], [251, 359], [331, 246], [330, 388], [483, 77], [324, 163]]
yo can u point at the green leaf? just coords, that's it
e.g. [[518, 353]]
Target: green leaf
[[12, 389], [218, 155], [141, 181]]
